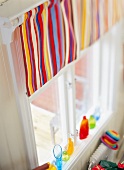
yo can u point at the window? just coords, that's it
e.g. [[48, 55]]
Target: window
[[74, 92], [81, 87], [46, 121], [84, 85]]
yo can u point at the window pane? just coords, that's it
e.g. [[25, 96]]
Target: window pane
[[88, 79], [46, 121], [83, 77]]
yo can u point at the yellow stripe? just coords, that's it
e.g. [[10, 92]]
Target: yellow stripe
[[66, 32], [114, 13], [88, 25], [47, 64], [27, 55], [83, 25]]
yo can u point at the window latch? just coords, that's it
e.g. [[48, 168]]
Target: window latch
[[69, 84]]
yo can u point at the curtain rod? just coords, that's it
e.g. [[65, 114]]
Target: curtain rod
[[13, 18]]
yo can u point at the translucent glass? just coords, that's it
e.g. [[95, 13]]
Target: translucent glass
[[46, 121], [83, 79]]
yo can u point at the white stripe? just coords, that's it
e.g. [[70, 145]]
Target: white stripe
[[35, 48], [66, 32]]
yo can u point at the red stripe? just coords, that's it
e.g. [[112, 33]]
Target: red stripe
[[58, 34], [51, 43], [24, 59]]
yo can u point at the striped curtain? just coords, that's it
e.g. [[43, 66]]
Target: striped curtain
[[48, 42], [56, 37], [70, 41], [37, 62], [86, 23], [83, 25], [101, 17], [50, 38], [95, 20], [97, 17], [105, 8], [88, 33], [104, 18]]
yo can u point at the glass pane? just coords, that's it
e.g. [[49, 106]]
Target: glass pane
[[46, 121], [83, 78]]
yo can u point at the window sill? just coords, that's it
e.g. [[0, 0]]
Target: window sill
[[82, 145]]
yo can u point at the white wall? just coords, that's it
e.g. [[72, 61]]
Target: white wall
[[12, 150]]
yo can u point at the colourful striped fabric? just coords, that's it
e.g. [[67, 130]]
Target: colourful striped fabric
[[50, 38], [105, 8], [83, 25], [90, 22], [70, 41], [88, 36], [95, 22], [76, 23], [97, 17], [56, 36], [114, 16], [35, 48], [43, 45], [103, 16]]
